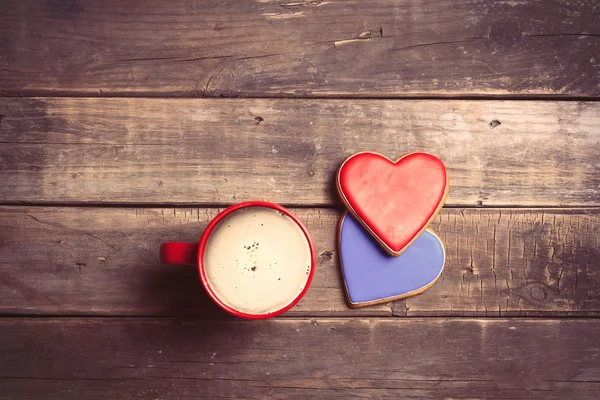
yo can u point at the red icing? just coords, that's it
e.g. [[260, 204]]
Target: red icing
[[395, 200]]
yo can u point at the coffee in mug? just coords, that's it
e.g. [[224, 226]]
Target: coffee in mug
[[255, 259]]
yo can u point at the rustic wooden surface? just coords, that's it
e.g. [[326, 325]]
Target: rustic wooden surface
[[333, 48], [206, 151], [125, 155], [300, 358], [104, 261]]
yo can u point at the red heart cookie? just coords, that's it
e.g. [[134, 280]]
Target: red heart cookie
[[395, 201]]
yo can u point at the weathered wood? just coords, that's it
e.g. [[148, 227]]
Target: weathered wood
[[177, 151], [300, 48], [300, 359], [104, 261]]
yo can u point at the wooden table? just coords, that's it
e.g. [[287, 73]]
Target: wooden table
[[125, 123]]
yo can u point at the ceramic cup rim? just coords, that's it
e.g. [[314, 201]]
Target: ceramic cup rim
[[204, 240]]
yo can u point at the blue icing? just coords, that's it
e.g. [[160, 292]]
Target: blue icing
[[372, 274]]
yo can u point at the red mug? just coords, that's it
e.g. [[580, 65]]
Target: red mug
[[261, 289]]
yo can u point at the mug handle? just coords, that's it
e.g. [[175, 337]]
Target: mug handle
[[179, 253]]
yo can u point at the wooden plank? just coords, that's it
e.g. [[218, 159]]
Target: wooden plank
[[300, 359], [104, 261], [300, 48], [178, 151]]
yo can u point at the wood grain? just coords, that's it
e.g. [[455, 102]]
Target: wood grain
[[300, 48], [206, 151], [104, 261], [300, 359]]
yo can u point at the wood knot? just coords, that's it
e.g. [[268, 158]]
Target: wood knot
[[538, 293], [326, 255], [495, 123], [258, 120]]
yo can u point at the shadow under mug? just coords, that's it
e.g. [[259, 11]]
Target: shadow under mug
[[180, 253]]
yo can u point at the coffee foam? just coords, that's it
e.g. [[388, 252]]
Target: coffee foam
[[257, 260]]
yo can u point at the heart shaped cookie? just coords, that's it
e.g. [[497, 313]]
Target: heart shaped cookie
[[394, 200], [372, 276]]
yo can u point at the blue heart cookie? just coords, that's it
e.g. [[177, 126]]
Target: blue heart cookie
[[372, 276]]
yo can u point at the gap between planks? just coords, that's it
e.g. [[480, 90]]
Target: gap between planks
[[48, 94]]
